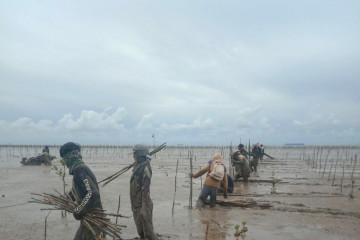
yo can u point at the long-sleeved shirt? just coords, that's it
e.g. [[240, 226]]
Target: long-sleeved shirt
[[209, 181], [85, 189]]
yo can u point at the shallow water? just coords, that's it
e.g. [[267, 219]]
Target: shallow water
[[306, 205]]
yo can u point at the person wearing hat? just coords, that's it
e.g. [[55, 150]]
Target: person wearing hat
[[240, 163], [141, 203], [85, 190], [242, 151]]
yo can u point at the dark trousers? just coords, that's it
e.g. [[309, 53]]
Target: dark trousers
[[209, 191], [253, 164], [143, 220]]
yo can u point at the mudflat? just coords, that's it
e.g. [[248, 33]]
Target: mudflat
[[294, 196]]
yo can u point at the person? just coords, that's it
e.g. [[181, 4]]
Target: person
[[230, 188], [242, 169], [256, 152], [141, 203], [46, 149], [85, 190], [238, 160], [242, 151], [262, 152], [211, 185]]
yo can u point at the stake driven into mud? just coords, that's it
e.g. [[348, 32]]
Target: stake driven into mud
[[125, 169]]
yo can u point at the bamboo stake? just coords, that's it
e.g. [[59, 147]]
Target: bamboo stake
[[125, 169], [352, 174], [332, 160], [191, 183], [335, 169], [327, 156], [200, 180], [173, 205], [320, 160], [46, 224], [118, 209], [342, 179]]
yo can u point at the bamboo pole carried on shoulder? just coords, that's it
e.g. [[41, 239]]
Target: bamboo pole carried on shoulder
[[125, 169]]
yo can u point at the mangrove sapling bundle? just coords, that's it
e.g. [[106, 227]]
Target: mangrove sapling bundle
[[95, 218], [125, 169]]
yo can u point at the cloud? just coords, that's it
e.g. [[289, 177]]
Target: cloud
[[318, 121], [145, 123], [197, 124], [93, 121]]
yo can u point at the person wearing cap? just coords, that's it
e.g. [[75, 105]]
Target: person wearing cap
[[85, 190], [242, 151], [141, 203], [240, 163]]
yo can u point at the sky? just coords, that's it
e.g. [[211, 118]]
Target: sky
[[184, 72]]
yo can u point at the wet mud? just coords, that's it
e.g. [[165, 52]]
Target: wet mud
[[306, 204]]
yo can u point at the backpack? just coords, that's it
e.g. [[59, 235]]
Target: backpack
[[218, 171]]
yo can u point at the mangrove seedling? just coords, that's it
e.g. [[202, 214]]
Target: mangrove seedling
[[61, 173], [274, 180], [237, 232], [244, 228]]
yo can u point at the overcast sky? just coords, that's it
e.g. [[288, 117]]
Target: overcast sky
[[189, 72]]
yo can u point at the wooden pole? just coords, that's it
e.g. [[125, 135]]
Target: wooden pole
[[118, 209], [352, 174], [191, 185], [177, 165], [46, 224], [335, 169], [342, 179], [327, 156]]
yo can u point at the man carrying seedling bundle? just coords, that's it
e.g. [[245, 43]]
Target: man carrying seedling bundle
[[141, 203], [216, 172], [84, 188]]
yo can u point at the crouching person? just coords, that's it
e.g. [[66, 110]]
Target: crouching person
[[85, 189], [216, 173], [141, 203]]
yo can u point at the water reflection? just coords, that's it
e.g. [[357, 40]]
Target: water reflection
[[241, 188], [214, 230], [212, 222]]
